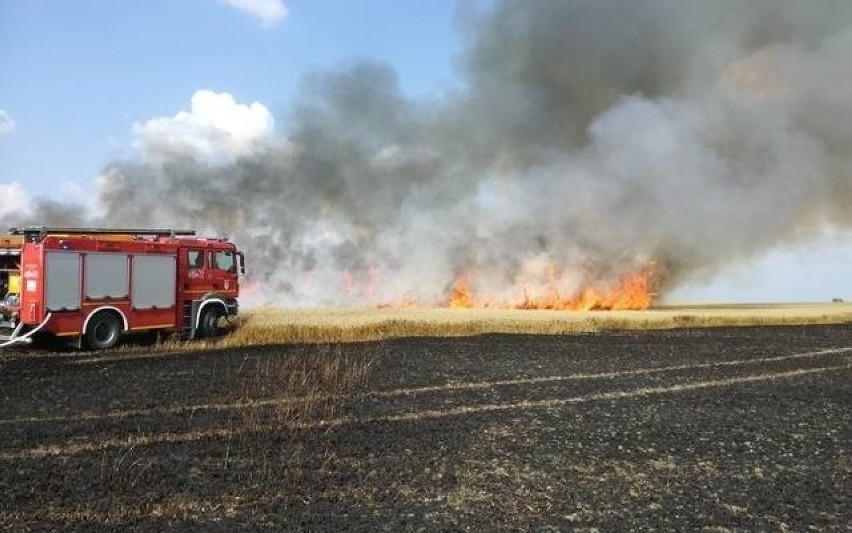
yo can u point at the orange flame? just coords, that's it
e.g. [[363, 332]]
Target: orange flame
[[461, 297], [633, 291]]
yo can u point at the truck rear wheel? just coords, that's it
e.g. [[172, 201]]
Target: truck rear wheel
[[208, 326], [103, 331]]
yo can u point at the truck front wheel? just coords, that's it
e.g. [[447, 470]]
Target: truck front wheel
[[208, 326], [103, 331]]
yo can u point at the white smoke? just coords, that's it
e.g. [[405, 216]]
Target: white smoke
[[14, 201]]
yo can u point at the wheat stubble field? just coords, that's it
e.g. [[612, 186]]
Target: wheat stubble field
[[274, 326], [607, 428]]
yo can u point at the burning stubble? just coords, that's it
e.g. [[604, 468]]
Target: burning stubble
[[589, 145]]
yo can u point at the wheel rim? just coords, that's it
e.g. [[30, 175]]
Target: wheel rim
[[103, 332], [212, 319]]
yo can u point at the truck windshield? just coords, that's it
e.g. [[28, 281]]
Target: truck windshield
[[224, 261]]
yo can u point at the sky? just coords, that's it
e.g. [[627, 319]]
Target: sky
[[87, 82], [76, 76]]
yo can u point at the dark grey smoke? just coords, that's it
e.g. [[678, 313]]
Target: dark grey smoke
[[48, 212], [594, 135]]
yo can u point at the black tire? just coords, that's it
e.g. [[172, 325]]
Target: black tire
[[208, 326], [103, 331]]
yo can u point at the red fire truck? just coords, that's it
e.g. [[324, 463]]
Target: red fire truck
[[94, 285]]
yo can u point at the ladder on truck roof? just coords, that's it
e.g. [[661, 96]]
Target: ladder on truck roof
[[38, 233]]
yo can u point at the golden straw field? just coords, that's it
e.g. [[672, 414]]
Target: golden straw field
[[274, 325]]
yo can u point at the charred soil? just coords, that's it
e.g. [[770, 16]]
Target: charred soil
[[717, 428]]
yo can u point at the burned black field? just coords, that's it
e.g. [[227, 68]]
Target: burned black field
[[717, 429]]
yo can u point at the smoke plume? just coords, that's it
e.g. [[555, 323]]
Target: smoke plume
[[592, 135]]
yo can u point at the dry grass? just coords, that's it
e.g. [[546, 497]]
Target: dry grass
[[276, 326]]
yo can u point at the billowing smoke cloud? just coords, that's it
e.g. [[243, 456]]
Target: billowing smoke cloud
[[595, 136], [216, 129]]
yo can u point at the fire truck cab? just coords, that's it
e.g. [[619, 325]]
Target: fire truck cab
[[95, 285]]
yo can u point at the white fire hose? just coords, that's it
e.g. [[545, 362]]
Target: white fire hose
[[25, 338]]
